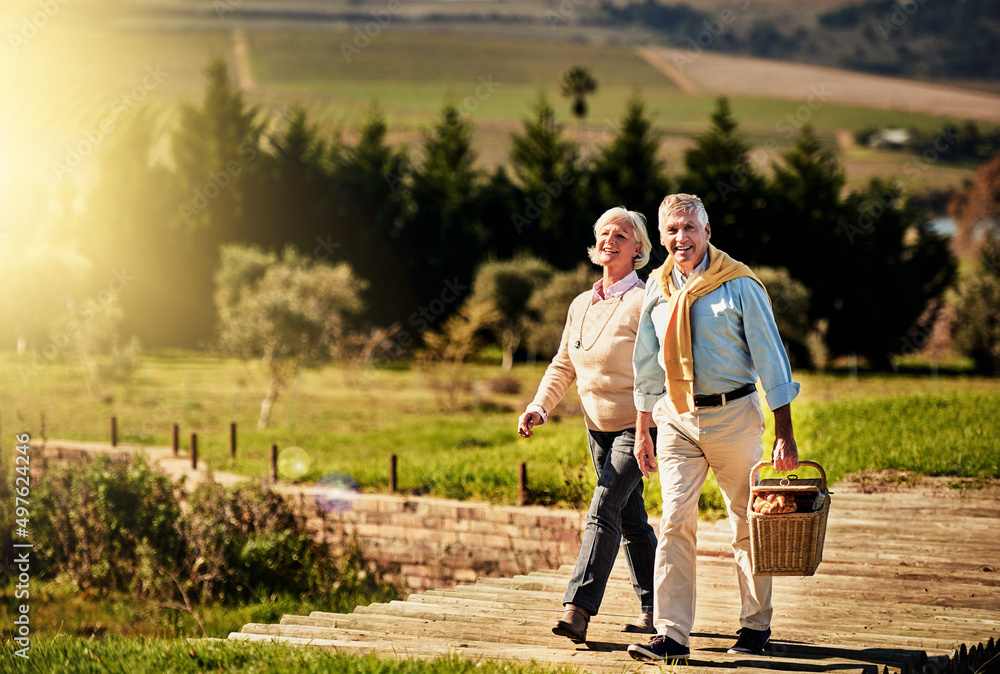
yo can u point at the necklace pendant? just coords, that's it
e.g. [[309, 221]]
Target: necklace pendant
[[577, 345]]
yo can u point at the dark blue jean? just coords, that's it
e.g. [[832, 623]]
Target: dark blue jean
[[617, 511]]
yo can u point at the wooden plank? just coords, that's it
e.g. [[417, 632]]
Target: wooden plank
[[901, 582]]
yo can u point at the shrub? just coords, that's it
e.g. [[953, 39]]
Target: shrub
[[549, 305], [117, 524], [91, 520], [977, 325], [790, 303]]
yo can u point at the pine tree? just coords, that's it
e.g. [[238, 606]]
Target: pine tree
[[550, 180], [371, 195], [719, 170], [629, 171], [445, 232]]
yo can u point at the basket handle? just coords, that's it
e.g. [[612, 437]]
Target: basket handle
[[761, 464]]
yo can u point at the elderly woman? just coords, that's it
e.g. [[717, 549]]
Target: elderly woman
[[596, 350]]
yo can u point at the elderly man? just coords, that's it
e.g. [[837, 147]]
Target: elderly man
[[705, 334]]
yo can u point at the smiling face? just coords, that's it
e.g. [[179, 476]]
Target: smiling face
[[617, 247], [686, 239]]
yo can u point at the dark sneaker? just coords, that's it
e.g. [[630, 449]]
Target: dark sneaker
[[751, 642], [660, 648]]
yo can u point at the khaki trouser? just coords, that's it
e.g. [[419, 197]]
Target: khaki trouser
[[726, 439]]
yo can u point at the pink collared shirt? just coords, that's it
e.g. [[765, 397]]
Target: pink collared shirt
[[616, 289]]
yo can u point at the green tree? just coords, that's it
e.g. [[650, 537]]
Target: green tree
[[805, 210], [790, 303], [890, 265], [136, 251], [550, 179], [508, 285], [578, 83], [291, 312], [720, 171], [215, 148], [629, 171], [288, 196], [549, 304], [370, 183], [977, 325], [445, 234]]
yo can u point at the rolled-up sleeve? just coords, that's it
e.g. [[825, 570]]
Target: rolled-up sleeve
[[766, 349], [646, 365]]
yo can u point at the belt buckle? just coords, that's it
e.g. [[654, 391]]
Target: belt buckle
[[723, 397]]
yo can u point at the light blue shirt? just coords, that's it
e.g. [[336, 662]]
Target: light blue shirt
[[733, 340]]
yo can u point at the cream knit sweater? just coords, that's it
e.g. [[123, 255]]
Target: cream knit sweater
[[601, 364]]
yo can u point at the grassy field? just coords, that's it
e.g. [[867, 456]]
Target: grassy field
[[70, 79], [353, 421], [75, 655]]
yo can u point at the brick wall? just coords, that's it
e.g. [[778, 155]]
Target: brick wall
[[418, 543], [424, 543]]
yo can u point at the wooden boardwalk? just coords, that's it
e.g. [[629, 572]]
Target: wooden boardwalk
[[907, 578]]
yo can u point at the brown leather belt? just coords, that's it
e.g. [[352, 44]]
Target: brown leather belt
[[720, 399]]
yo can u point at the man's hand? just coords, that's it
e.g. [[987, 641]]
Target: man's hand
[[645, 452], [785, 455], [526, 422]]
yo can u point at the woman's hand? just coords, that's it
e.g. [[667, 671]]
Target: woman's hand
[[526, 422]]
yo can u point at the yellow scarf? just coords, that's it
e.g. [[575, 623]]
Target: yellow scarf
[[677, 352]]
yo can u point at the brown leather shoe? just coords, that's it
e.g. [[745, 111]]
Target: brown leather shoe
[[573, 624], [642, 625]]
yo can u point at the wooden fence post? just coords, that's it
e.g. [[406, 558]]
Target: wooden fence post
[[232, 440], [274, 463], [175, 434], [194, 451], [114, 431], [392, 474], [522, 485]]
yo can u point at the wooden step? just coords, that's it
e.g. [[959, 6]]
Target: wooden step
[[905, 580]]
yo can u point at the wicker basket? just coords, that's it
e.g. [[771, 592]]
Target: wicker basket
[[790, 544]]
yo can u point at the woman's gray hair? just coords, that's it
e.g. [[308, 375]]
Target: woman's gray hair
[[682, 203], [638, 222]]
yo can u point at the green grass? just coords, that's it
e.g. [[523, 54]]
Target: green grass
[[60, 609], [955, 434], [353, 422], [75, 76], [110, 655]]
